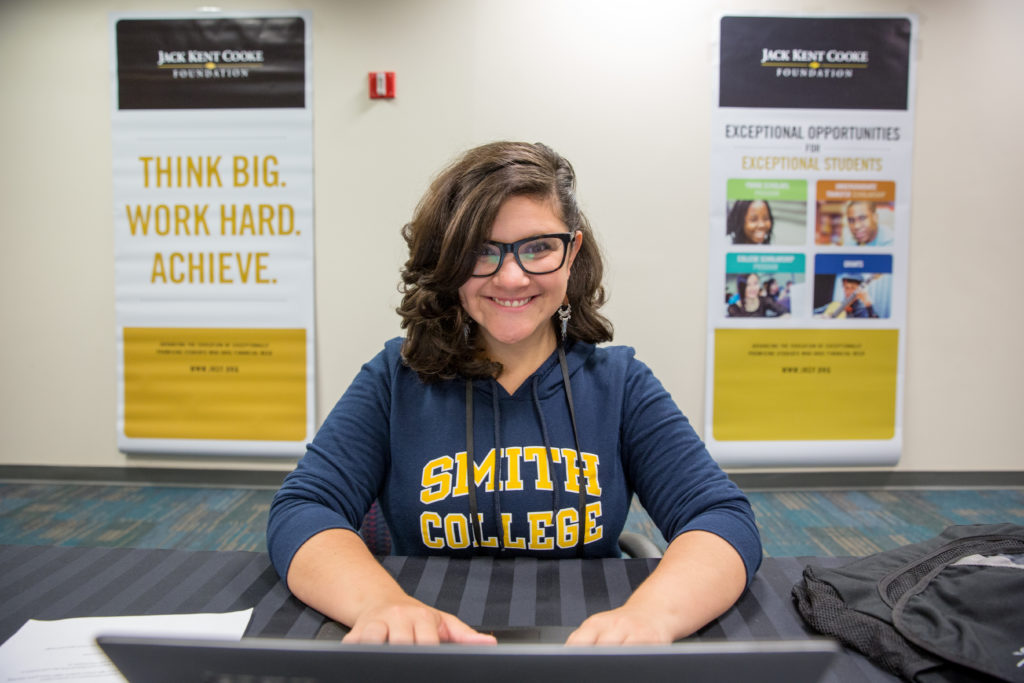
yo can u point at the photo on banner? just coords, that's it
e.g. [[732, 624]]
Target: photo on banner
[[812, 132], [213, 221]]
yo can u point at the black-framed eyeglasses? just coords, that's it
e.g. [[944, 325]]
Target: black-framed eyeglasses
[[536, 255]]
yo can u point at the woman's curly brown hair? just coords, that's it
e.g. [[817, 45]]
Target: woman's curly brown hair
[[451, 224]]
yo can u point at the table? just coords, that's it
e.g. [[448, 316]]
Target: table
[[56, 582]]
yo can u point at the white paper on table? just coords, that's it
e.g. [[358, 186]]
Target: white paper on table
[[66, 650]]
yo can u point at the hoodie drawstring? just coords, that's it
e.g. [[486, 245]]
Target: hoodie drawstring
[[471, 462], [556, 480], [474, 516], [579, 452], [500, 462]]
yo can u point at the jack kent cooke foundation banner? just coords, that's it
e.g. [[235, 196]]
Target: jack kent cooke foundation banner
[[810, 215], [213, 220]]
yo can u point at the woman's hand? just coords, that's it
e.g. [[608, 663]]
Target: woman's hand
[[699, 578], [623, 626], [410, 622], [334, 573]]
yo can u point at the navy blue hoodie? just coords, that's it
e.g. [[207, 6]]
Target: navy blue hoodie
[[395, 438]]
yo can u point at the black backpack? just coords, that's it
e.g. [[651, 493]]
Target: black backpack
[[948, 609]]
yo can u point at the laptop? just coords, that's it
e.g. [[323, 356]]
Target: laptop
[[265, 660]]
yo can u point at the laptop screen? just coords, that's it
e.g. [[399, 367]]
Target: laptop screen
[[155, 660]]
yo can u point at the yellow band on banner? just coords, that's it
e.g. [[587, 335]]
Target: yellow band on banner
[[211, 383], [793, 385]]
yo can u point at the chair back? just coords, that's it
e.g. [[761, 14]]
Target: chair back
[[375, 531]]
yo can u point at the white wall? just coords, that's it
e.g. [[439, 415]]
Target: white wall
[[621, 88]]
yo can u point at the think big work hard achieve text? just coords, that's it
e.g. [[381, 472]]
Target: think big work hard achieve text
[[197, 220]]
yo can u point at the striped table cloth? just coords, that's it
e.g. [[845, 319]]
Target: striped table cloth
[[57, 582]]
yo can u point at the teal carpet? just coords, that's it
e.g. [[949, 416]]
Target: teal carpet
[[134, 516], [792, 523]]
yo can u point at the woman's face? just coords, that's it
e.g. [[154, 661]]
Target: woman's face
[[753, 288], [757, 224], [514, 308]]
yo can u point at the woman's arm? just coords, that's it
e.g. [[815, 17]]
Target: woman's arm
[[698, 579], [715, 546], [334, 573]]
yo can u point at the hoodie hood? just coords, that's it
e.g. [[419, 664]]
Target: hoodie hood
[[548, 377]]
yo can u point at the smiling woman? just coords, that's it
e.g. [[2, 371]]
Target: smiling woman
[[456, 222], [513, 307], [750, 222], [497, 427]]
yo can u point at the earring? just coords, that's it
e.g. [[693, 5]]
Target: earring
[[465, 332], [564, 313]]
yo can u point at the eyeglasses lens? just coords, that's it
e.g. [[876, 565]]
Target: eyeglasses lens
[[536, 256]]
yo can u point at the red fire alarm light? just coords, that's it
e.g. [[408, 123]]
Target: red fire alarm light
[[382, 85]]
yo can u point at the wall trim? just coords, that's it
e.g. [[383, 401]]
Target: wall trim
[[877, 479], [156, 476], [230, 478]]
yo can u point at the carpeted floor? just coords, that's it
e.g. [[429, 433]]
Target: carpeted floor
[[792, 523]]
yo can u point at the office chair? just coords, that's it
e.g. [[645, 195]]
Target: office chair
[[374, 531]]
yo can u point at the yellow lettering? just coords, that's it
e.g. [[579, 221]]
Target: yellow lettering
[[436, 480], [265, 219], [244, 268], [180, 171], [285, 227], [572, 472], [514, 482], [176, 260], [187, 220], [227, 219], [590, 462], [456, 530], [270, 177], [506, 524], [539, 455], [195, 269], [461, 468], [261, 269], [145, 170], [428, 522], [260, 171], [240, 168], [163, 173], [486, 470], [247, 222], [194, 169], [158, 272], [162, 219], [486, 541], [592, 530], [138, 222], [539, 523], [567, 527]]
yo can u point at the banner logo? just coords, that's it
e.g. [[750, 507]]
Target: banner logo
[[800, 63], [209, 63], [814, 63], [245, 63]]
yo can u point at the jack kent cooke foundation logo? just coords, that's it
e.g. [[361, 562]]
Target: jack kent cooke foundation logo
[[815, 63], [799, 63], [222, 63], [209, 63]]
